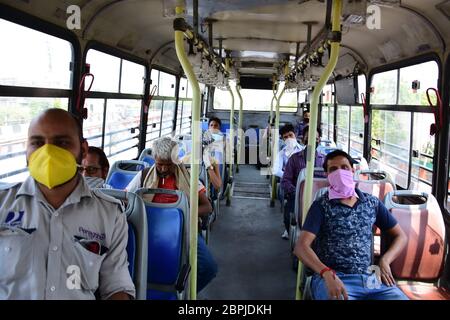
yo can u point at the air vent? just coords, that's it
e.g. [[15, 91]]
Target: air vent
[[256, 64]]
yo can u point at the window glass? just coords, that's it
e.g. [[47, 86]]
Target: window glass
[[153, 121], [327, 94], [15, 117], [288, 102], [30, 58], [187, 112], [93, 125], [427, 74], [122, 129], [133, 76], [154, 76], [390, 144], [253, 100], [302, 96], [331, 123], [166, 84], [384, 88], [183, 88], [343, 127], [361, 87], [106, 70], [325, 122], [357, 131], [168, 117], [423, 153]]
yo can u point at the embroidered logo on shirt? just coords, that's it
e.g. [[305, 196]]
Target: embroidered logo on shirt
[[91, 234], [14, 219]]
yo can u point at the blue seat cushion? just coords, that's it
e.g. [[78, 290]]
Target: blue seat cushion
[[149, 160], [165, 236], [159, 295], [120, 180], [131, 250]]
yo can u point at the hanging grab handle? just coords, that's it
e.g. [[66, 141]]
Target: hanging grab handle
[[82, 93], [364, 104], [437, 110]]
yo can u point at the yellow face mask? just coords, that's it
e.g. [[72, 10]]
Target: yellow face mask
[[52, 166]]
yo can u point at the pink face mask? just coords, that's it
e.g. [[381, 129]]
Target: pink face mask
[[342, 185]]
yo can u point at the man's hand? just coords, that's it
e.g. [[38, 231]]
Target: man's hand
[[335, 286], [386, 274]]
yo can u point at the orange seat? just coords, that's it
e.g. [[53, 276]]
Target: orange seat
[[421, 262]]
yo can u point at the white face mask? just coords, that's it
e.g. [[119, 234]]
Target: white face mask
[[290, 143]]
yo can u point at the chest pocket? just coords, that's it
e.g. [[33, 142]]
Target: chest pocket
[[16, 255], [89, 264]]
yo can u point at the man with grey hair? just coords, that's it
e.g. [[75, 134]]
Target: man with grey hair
[[169, 173]]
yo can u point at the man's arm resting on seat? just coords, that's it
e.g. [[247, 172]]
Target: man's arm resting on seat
[[398, 243], [204, 206], [309, 258], [120, 296]]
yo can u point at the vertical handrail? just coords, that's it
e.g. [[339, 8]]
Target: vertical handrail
[[195, 159], [314, 111], [240, 130], [231, 145], [276, 139]]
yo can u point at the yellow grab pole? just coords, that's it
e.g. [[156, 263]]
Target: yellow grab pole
[[231, 145], [195, 158], [312, 133], [240, 130], [276, 139]]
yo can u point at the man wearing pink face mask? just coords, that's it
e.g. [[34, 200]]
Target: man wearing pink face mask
[[340, 224]]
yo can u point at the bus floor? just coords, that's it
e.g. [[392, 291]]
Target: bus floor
[[253, 260]]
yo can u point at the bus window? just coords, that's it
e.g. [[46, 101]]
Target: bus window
[[183, 88], [122, 129], [154, 76], [391, 144], [427, 74], [30, 54], [356, 131], [288, 102], [166, 84], [15, 117], [423, 152], [325, 122], [343, 127], [384, 88], [361, 88], [153, 122], [93, 125], [186, 121], [106, 69], [167, 118], [133, 76]]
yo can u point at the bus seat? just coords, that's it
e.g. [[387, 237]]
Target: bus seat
[[375, 182], [123, 171], [168, 242], [319, 182], [421, 262], [361, 163], [146, 156], [137, 247]]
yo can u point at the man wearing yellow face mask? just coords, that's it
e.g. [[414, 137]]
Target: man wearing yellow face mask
[[58, 238]]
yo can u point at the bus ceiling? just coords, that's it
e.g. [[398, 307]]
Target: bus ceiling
[[377, 33]]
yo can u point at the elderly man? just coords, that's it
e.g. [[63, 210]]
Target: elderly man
[[58, 238], [166, 174]]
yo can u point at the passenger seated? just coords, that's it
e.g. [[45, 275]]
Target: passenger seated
[[60, 239], [166, 173], [95, 167], [340, 224], [295, 164]]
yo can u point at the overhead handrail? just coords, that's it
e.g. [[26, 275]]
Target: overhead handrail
[[336, 36]]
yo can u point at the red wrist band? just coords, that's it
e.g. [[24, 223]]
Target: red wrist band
[[326, 270]]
